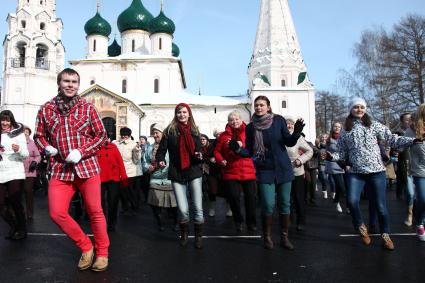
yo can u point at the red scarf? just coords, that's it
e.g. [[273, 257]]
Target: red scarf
[[186, 145]]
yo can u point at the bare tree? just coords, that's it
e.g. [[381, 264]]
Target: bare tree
[[330, 108]]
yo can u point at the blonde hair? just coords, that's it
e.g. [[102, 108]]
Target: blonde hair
[[419, 121], [234, 113]]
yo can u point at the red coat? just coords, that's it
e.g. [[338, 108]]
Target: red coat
[[238, 168], [111, 164]]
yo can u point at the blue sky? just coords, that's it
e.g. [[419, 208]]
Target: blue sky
[[216, 38]]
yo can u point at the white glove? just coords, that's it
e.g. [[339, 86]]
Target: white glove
[[50, 150], [74, 156]]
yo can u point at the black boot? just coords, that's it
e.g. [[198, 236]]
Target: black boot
[[198, 235], [184, 231], [10, 219], [267, 231], [158, 218], [284, 227]]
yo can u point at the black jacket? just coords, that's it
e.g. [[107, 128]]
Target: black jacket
[[171, 143]]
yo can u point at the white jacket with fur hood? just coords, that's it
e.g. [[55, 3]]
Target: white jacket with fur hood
[[294, 153]]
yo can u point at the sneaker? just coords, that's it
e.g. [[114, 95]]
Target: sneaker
[[86, 260], [229, 213], [211, 212], [325, 194], [364, 234], [338, 208], [333, 195], [101, 264], [421, 233], [387, 243]]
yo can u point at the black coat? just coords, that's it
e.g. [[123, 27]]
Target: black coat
[[276, 167], [171, 143]]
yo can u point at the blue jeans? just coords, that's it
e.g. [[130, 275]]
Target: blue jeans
[[268, 198], [323, 178], [337, 185], [180, 190], [410, 191], [377, 184], [420, 199]]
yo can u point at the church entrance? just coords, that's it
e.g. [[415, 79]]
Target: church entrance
[[110, 126]]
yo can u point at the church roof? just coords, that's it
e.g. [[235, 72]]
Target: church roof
[[114, 49], [175, 50], [97, 25], [136, 16], [162, 24]]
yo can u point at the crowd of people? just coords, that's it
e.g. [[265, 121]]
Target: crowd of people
[[268, 161]]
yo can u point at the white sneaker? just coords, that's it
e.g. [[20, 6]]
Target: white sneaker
[[338, 208], [211, 212], [229, 213], [325, 194], [333, 195]]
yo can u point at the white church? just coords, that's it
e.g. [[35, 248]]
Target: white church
[[138, 81]]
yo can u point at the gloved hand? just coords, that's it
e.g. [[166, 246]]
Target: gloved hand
[[416, 141], [299, 126], [234, 145], [74, 156], [50, 150], [32, 166]]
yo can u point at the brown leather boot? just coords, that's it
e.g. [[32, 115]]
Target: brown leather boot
[[267, 231], [184, 231], [284, 227], [198, 235]]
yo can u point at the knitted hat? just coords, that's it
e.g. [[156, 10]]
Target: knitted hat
[[290, 119], [158, 126], [357, 101], [125, 131]]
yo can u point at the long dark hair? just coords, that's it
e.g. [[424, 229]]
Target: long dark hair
[[349, 121], [8, 116]]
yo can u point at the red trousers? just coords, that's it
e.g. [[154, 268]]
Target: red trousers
[[60, 195]]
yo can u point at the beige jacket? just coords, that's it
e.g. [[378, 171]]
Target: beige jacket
[[294, 154], [131, 155]]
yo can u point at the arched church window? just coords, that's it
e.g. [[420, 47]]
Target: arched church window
[[110, 127], [283, 83], [160, 43], [124, 86], [284, 104], [23, 24], [20, 61], [92, 82], [133, 45], [42, 26], [94, 45], [156, 86], [41, 2], [41, 57]]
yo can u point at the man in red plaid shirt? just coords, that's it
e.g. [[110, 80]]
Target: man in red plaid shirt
[[69, 129]]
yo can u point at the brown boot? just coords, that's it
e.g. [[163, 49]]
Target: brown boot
[[198, 235], [284, 226], [387, 243], [364, 234], [267, 231], [184, 231]]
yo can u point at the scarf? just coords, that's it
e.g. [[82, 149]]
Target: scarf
[[261, 123], [153, 156], [186, 145], [65, 104], [335, 136]]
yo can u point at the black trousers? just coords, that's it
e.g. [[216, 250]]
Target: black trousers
[[12, 191], [297, 199], [110, 199], [249, 189], [311, 183]]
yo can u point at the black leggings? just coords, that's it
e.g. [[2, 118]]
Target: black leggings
[[12, 190], [249, 188], [110, 199]]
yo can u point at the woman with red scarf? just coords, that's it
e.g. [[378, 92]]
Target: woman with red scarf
[[182, 141], [238, 172]]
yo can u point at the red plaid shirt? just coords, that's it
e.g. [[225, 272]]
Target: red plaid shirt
[[80, 129]]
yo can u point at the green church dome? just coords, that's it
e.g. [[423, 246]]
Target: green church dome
[[175, 50], [134, 17], [162, 24], [97, 25], [114, 49]]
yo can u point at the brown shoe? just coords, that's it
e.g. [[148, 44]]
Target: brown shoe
[[364, 234], [86, 260], [101, 264], [387, 243]]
